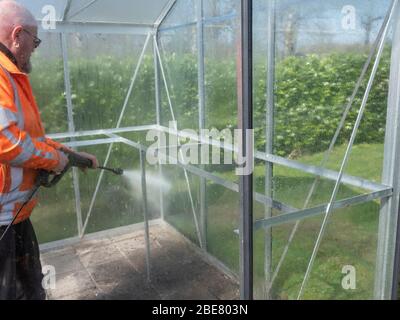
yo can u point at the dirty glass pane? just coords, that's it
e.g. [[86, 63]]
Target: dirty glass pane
[[55, 216], [47, 79], [121, 11], [222, 225], [179, 57], [221, 54], [222, 8], [181, 207], [183, 12], [101, 74]]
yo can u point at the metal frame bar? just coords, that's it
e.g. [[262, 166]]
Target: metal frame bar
[[157, 87], [145, 212], [178, 143], [66, 10], [311, 212], [245, 120], [165, 13], [202, 112], [88, 143], [386, 274], [314, 170], [322, 172], [71, 128], [269, 133], [206, 21], [347, 154], [101, 132], [99, 27], [117, 126]]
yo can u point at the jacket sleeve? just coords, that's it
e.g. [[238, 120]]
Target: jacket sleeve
[[57, 145], [17, 147]]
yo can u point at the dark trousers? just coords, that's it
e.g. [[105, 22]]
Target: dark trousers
[[20, 268]]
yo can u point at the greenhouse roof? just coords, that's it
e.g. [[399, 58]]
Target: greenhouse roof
[[134, 12]]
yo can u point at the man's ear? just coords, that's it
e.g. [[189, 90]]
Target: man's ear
[[16, 34]]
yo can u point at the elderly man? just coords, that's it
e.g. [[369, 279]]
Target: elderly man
[[24, 150]]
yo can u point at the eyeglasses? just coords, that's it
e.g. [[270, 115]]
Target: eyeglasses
[[36, 40]]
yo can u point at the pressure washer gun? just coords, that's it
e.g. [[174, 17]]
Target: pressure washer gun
[[75, 160]]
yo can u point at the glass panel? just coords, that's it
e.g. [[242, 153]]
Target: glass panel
[[221, 75], [47, 80], [179, 56], [120, 11], [320, 55], [179, 205], [141, 107], [182, 13], [101, 74], [55, 216], [348, 248], [221, 8], [222, 221]]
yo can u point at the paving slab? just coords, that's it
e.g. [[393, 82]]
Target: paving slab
[[114, 268]]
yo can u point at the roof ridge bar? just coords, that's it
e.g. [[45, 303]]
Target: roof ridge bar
[[164, 13], [66, 10]]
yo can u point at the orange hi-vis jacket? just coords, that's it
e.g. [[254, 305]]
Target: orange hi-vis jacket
[[23, 146]]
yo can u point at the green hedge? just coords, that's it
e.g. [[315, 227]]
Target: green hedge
[[311, 94]]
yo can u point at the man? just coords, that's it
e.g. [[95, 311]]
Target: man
[[24, 150]]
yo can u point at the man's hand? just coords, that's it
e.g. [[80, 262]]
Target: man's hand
[[62, 163], [91, 157]]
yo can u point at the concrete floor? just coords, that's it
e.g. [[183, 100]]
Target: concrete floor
[[115, 268]]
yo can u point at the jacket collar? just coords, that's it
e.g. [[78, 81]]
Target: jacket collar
[[7, 60]]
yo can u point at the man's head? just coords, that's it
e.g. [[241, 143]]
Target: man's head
[[18, 32]]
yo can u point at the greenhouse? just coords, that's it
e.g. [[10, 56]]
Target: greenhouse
[[260, 144]]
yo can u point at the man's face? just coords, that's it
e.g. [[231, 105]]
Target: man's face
[[26, 46]]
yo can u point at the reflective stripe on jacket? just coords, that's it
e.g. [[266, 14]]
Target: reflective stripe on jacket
[[23, 145]]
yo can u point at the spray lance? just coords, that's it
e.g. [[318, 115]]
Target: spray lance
[[44, 179]]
